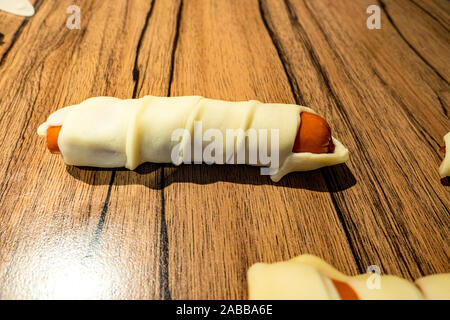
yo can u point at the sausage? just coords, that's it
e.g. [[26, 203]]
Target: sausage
[[314, 135]]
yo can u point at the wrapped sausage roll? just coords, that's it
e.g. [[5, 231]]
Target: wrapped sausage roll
[[109, 132], [309, 278], [444, 169]]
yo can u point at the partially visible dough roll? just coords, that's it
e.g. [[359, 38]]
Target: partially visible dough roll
[[444, 169], [435, 287], [308, 277], [110, 132]]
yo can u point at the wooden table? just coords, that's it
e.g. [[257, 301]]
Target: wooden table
[[166, 232]]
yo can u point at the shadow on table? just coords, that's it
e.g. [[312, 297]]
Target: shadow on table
[[329, 179]]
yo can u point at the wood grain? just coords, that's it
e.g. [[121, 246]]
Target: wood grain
[[243, 213], [387, 222], [56, 218], [165, 232]]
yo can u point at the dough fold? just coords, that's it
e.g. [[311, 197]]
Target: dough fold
[[109, 132]]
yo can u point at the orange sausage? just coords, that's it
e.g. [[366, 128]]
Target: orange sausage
[[52, 139], [345, 291], [314, 135]]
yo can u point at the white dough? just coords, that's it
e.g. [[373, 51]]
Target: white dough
[[444, 169], [391, 288], [18, 7], [110, 132], [289, 281], [309, 277], [435, 287]]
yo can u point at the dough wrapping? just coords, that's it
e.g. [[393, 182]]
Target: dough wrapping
[[110, 132], [308, 277], [444, 169]]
